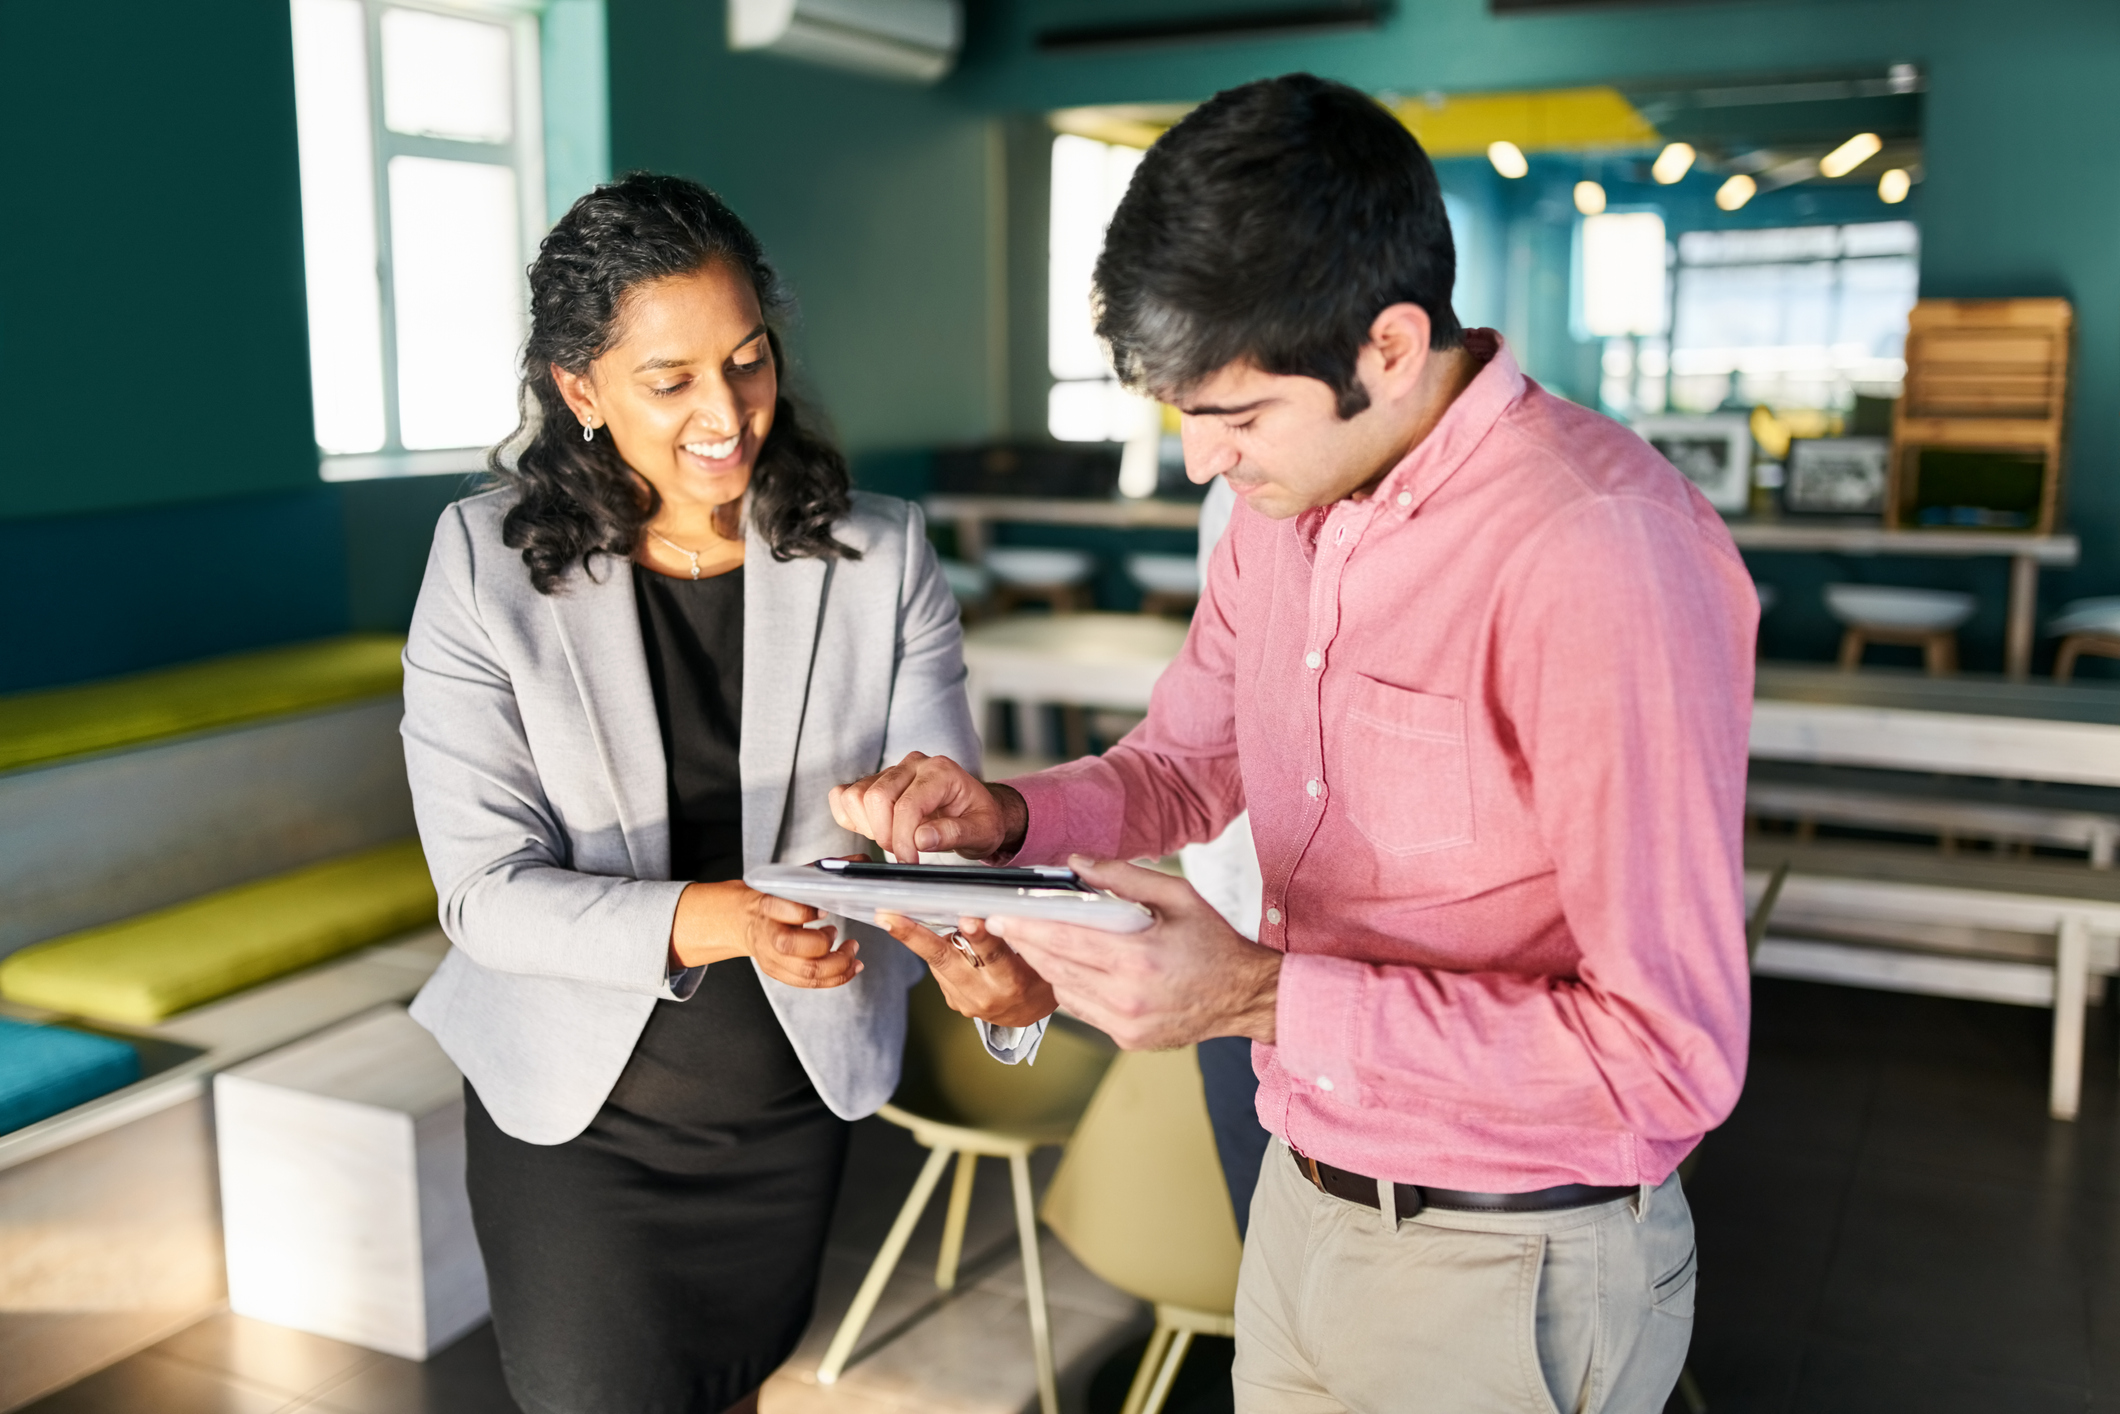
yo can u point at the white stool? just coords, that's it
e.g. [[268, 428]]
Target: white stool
[[342, 1188], [1168, 582], [1058, 577], [2086, 626], [970, 585], [1084, 660], [1927, 619]]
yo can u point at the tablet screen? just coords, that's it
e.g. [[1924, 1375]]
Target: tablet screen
[[1042, 877]]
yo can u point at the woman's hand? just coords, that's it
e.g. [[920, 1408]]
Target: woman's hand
[[716, 922], [1003, 989]]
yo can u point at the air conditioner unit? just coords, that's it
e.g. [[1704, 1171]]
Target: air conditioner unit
[[901, 39]]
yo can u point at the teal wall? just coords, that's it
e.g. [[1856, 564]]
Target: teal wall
[[158, 489], [2022, 159], [159, 497], [158, 493], [877, 200]]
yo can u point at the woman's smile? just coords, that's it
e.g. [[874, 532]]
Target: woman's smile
[[715, 453]]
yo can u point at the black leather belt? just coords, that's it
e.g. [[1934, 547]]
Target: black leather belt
[[1411, 1198]]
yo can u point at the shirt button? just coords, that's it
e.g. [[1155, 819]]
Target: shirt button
[[1313, 787], [1313, 658], [1405, 498], [1324, 1082], [1273, 915]]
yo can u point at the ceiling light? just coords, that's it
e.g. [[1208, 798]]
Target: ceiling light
[[1673, 162], [1893, 186], [1589, 198], [1850, 155], [1508, 159], [1735, 192]]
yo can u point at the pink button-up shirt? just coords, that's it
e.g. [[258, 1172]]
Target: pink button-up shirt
[[1490, 722]]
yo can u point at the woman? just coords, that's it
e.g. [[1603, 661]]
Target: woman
[[636, 666]]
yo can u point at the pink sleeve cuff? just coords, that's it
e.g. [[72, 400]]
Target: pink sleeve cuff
[[1316, 1019], [1074, 809]]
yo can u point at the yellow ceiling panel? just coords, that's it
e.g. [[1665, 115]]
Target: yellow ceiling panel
[[1553, 120], [1448, 125]]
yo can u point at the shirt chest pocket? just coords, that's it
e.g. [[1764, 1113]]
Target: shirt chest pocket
[[1405, 775]]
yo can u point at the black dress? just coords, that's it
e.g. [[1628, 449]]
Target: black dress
[[665, 1261]]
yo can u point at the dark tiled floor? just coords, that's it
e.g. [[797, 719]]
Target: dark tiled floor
[[1889, 1222]]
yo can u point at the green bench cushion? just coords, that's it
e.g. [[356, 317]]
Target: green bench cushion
[[47, 1069], [143, 969], [38, 728]]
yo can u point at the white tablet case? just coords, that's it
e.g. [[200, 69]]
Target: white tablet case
[[940, 903]]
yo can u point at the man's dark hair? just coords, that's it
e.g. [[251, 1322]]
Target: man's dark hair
[[1274, 224]]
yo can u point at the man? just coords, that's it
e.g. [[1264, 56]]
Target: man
[[1479, 663]]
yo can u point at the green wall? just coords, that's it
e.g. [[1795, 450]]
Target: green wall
[[2022, 152], [151, 322], [876, 200], [158, 493]]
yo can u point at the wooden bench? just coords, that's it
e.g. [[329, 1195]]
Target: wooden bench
[[142, 970], [131, 794], [2027, 932], [1949, 807], [189, 856]]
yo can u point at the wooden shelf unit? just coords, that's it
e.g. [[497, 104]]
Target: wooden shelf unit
[[1984, 376]]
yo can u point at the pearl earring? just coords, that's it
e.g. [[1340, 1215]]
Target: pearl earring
[[588, 429]]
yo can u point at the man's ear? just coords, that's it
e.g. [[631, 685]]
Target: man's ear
[[1397, 351]]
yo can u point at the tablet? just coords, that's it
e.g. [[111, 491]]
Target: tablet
[[940, 894]]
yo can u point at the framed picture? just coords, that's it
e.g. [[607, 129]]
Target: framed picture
[[1843, 476], [1714, 452]]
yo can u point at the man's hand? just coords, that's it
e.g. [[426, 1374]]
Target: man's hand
[[1002, 990], [929, 804], [1189, 976], [716, 922]]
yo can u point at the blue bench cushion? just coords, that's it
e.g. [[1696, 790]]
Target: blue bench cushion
[[46, 1069]]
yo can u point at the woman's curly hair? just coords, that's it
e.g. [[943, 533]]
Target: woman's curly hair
[[578, 499]]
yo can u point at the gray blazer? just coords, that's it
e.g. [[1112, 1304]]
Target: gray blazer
[[539, 783]]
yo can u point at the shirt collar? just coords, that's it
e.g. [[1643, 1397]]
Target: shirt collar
[[1491, 393]]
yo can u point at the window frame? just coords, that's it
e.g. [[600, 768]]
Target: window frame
[[523, 153]]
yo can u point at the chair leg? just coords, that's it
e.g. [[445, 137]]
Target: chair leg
[[1689, 1391], [953, 1225], [857, 1316], [1173, 1360], [2065, 660], [2072, 958], [1019, 1172], [1851, 646], [1150, 1368]]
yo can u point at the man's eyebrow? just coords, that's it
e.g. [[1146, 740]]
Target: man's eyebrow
[[1252, 406]]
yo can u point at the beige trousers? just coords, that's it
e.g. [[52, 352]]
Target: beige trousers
[[1581, 1311]]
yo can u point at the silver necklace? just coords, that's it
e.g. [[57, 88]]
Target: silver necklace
[[693, 555]]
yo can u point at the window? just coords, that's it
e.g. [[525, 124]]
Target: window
[[422, 187], [1798, 316], [1621, 296], [1086, 403]]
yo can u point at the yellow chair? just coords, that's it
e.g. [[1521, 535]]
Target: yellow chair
[[1139, 1199], [958, 1101]]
